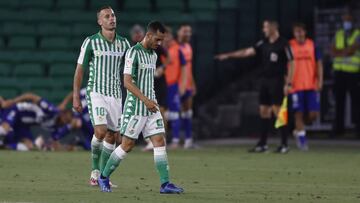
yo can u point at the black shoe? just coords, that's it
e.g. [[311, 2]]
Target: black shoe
[[259, 149], [282, 149]]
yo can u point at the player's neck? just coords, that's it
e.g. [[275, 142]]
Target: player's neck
[[109, 35], [301, 41], [274, 37], [145, 44], [181, 41]]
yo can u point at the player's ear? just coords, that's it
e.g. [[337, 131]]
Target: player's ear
[[149, 35]]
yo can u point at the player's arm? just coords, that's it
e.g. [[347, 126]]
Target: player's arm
[[320, 69], [29, 97], [65, 101], [165, 60], [78, 77], [183, 73], [131, 87], [291, 70], [129, 73], [193, 85], [82, 62], [348, 51], [242, 53]]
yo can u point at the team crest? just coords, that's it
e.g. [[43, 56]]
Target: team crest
[[97, 52]]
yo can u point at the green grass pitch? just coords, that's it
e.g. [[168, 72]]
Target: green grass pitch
[[225, 174]]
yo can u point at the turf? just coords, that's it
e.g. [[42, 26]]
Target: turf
[[226, 174]]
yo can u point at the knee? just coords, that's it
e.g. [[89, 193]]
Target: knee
[[127, 145], [110, 137], [158, 140], [265, 113], [100, 132], [312, 117]]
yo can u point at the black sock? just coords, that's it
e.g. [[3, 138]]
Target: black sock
[[284, 132], [265, 124]]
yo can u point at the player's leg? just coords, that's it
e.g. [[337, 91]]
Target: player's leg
[[108, 148], [340, 96], [300, 99], [97, 111], [154, 129], [283, 131], [131, 128], [174, 115], [312, 106], [186, 116], [265, 119], [114, 112]]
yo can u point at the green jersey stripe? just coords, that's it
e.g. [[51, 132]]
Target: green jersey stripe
[[104, 60]]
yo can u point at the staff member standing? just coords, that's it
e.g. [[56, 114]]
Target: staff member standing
[[276, 54], [307, 81], [346, 65]]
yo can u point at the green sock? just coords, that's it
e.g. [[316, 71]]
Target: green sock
[[95, 152], [105, 154], [115, 158], [161, 163]]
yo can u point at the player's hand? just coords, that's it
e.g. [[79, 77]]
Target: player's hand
[[152, 106], [77, 104], [159, 72], [287, 89], [320, 85], [221, 57], [61, 107]]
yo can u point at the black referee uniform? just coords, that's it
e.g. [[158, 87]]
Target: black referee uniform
[[274, 60]]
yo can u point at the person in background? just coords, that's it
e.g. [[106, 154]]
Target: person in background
[[306, 83], [184, 34], [346, 66], [275, 82]]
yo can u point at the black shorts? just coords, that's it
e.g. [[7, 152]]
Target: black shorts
[[161, 91], [271, 91]]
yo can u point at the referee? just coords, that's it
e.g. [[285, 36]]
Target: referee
[[275, 82]]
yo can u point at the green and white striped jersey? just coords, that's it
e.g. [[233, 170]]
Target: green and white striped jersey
[[140, 63], [104, 59]]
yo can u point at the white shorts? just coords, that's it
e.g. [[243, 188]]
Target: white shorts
[[151, 125], [105, 110]]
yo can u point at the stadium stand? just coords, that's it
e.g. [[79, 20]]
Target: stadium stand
[[40, 45]]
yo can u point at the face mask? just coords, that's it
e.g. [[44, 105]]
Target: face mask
[[347, 25]]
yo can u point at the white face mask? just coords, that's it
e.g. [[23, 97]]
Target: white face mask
[[347, 25]]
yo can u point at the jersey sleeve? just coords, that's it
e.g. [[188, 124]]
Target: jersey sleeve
[[127, 47], [288, 52], [85, 53], [130, 62], [258, 45], [182, 58]]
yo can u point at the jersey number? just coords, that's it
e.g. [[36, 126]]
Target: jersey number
[[100, 111]]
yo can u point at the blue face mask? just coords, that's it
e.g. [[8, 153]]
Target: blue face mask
[[347, 25]]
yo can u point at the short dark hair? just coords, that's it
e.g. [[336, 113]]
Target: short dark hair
[[102, 8], [184, 25], [273, 23], [155, 26], [299, 25]]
